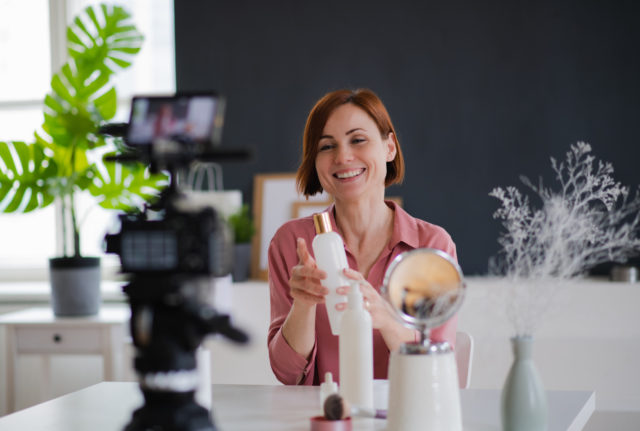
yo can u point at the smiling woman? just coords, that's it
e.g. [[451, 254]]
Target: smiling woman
[[350, 151], [369, 104]]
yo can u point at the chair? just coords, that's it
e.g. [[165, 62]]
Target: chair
[[464, 356]]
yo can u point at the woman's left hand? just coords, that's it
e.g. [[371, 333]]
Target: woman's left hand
[[382, 314]]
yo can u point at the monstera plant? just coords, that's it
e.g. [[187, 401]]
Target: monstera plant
[[67, 155]]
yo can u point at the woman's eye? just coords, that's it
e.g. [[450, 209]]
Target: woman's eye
[[357, 140], [325, 147]]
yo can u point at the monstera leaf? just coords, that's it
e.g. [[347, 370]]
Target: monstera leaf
[[120, 187], [24, 186], [82, 95]]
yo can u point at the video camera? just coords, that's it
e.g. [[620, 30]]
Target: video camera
[[172, 254]]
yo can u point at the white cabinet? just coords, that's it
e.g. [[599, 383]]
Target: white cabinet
[[36, 331]]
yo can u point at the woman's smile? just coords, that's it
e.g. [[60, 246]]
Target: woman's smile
[[349, 174]]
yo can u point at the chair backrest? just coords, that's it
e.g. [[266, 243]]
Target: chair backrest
[[464, 356]]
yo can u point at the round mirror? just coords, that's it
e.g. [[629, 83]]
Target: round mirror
[[425, 286]]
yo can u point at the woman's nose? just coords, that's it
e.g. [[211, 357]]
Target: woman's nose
[[344, 154]]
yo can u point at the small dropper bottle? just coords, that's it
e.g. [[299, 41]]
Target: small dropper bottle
[[328, 387], [328, 250]]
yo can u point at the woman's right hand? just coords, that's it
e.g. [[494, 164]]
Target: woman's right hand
[[305, 283]]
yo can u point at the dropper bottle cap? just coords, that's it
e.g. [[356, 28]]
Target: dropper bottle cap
[[329, 383], [322, 222]]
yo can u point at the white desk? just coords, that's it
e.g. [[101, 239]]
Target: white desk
[[36, 331], [108, 406]]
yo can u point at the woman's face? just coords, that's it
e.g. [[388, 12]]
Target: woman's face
[[352, 156]]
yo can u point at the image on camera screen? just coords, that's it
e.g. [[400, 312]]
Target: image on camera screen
[[197, 118]]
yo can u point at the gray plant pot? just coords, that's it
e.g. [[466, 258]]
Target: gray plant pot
[[75, 285], [241, 261]]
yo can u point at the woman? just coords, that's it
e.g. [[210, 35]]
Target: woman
[[351, 151]]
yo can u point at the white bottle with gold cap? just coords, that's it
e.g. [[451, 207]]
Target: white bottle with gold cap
[[328, 250]]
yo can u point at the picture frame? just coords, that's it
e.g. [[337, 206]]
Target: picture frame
[[275, 201], [305, 208]]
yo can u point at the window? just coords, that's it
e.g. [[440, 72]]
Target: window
[[32, 38]]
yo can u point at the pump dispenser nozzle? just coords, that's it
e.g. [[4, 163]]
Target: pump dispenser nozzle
[[354, 296]]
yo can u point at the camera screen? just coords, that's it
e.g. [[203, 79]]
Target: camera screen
[[194, 117]]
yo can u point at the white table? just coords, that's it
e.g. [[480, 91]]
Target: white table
[[36, 331], [108, 406]]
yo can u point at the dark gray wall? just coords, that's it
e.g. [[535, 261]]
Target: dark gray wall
[[480, 92]]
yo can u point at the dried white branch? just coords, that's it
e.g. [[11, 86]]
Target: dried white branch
[[589, 220]]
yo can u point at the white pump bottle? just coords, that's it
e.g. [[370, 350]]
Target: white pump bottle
[[356, 352], [328, 250]]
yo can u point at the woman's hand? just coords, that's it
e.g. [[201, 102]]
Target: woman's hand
[[382, 314], [305, 283], [299, 327]]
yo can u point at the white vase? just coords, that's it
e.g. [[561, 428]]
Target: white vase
[[524, 401]]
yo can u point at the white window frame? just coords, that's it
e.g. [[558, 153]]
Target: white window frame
[[59, 17]]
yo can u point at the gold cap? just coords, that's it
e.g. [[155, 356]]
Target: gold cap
[[322, 222]]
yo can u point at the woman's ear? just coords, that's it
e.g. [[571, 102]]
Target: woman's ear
[[390, 142]]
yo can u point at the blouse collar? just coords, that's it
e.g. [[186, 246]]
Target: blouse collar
[[405, 228]]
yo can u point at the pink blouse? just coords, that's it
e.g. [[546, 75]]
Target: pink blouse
[[292, 368]]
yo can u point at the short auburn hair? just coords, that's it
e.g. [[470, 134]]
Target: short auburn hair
[[307, 177]]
